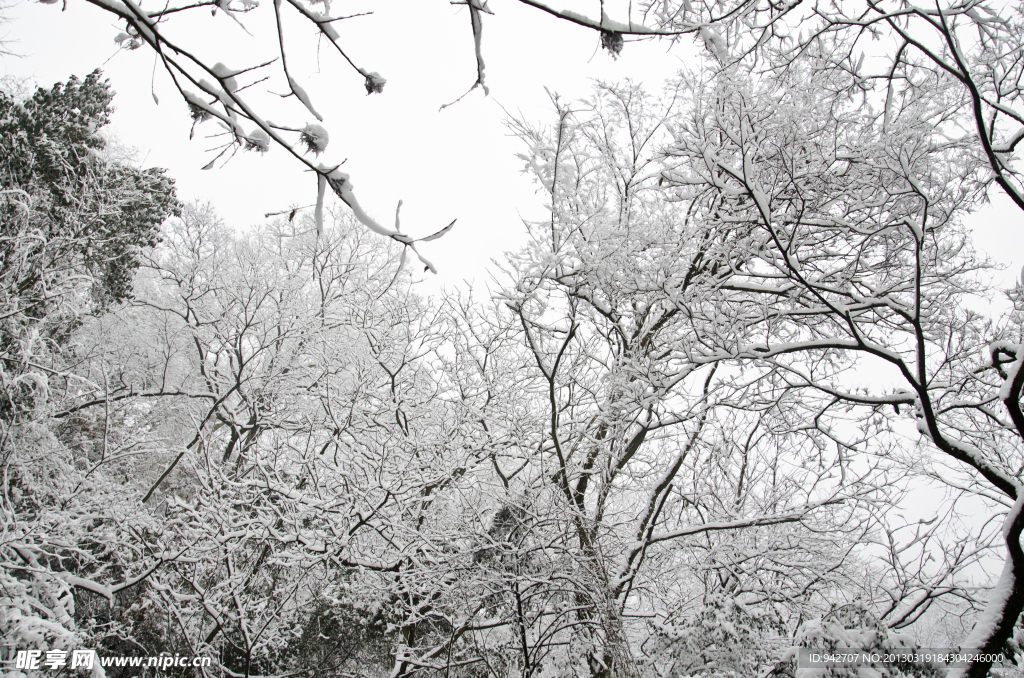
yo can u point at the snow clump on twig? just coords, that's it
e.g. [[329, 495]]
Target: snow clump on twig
[[258, 141], [315, 137], [374, 83]]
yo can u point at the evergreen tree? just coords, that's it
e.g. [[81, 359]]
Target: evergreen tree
[[71, 224]]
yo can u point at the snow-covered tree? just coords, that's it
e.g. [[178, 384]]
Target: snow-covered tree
[[72, 227], [851, 260], [963, 57], [309, 453], [317, 465], [642, 486]]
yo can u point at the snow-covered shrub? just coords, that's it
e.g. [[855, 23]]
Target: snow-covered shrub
[[853, 628], [727, 638]]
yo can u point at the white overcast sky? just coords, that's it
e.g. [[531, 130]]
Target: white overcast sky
[[444, 164], [456, 163]]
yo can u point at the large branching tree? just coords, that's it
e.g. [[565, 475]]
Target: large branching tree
[[853, 279], [312, 451], [648, 492]]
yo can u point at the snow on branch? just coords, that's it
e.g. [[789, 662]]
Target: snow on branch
[[606, 24], [796, 515], [213, 91]]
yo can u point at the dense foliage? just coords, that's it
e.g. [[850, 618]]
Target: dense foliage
[[72, 224]]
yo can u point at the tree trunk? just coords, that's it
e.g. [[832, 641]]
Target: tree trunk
[[996, 624]]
